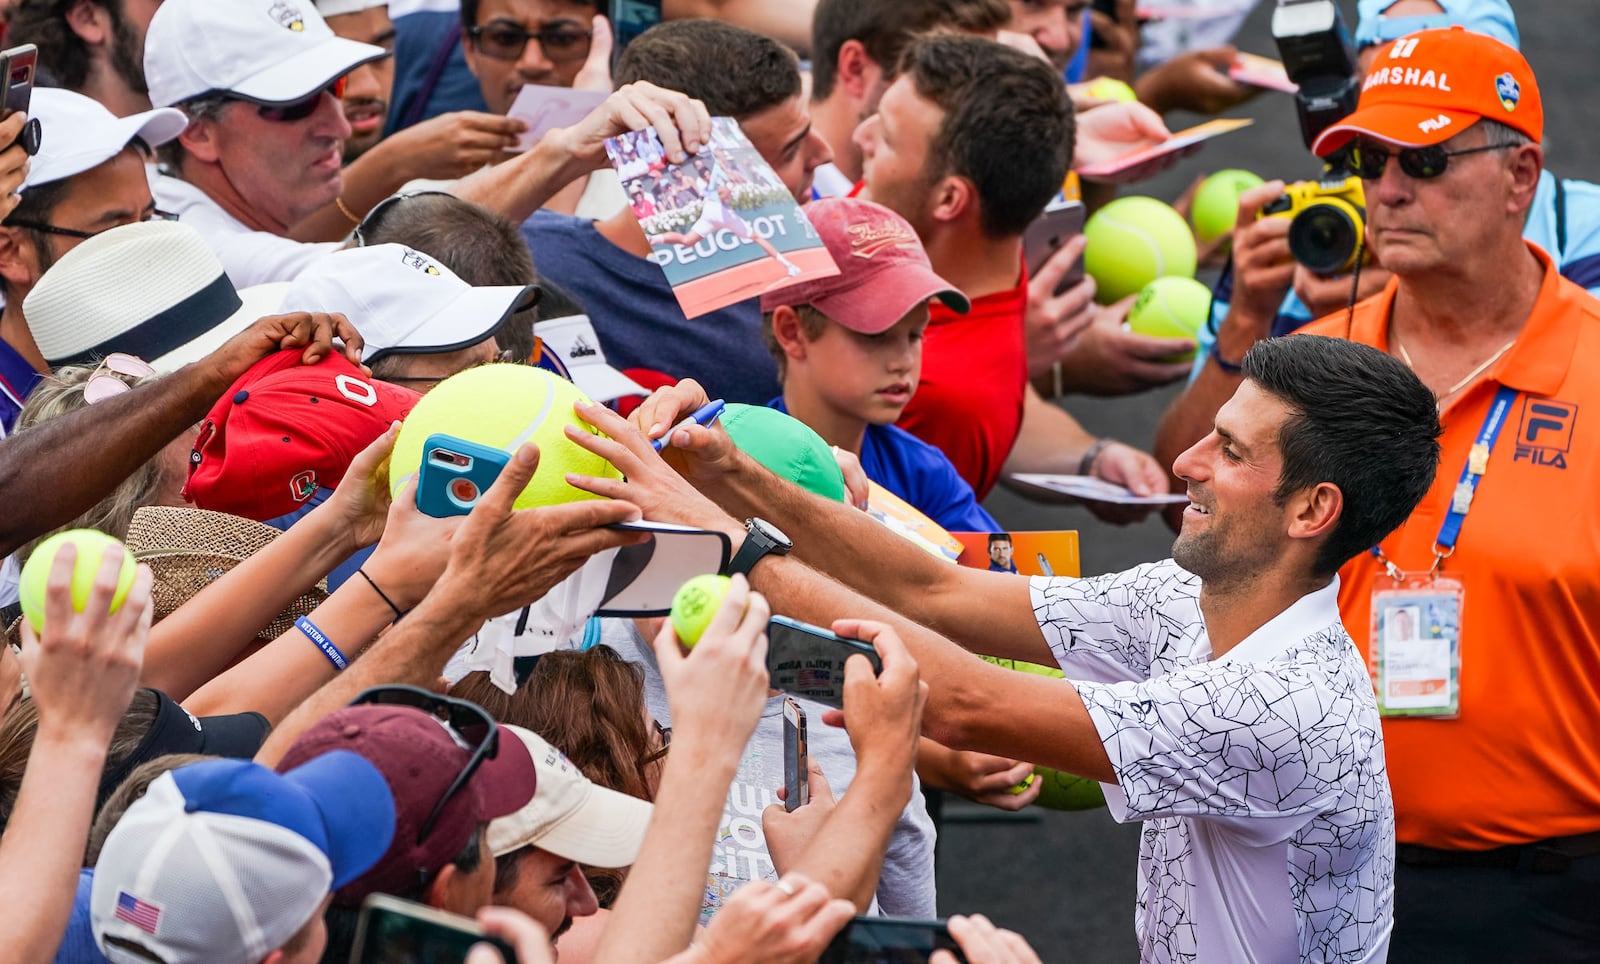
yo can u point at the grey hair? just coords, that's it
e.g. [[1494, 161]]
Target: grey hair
[[1501, 135]]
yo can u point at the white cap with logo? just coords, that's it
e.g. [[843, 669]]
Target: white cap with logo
[[569, 816], [570, 348], [79, 134], [272, 52]]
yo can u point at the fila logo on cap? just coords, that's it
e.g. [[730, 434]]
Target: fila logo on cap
[[413, 259], [1432, 124], [867, 240], [1508, 90], [288, 16]]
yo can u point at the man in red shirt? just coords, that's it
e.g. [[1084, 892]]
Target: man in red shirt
[[943, 152]]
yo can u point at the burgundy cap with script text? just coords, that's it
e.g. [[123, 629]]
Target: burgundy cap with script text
[[883, 270]]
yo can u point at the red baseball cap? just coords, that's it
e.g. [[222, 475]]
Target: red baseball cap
[[1429, 86], [883, 270], [420, 759], [284, 430]]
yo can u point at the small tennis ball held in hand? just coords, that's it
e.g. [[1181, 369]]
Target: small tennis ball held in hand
[[92, 546], [695, 603]]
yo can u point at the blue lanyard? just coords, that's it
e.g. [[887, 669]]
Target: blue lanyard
[[1466, 487]]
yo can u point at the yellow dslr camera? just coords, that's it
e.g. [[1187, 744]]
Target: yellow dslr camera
[[1329, 219]]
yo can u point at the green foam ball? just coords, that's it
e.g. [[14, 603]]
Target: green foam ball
[[1216, 202], [503, 406], [695, 602], [1133, 241], [92, 546]]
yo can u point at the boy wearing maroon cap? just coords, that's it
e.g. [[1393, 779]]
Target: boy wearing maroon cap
[[849, 352]]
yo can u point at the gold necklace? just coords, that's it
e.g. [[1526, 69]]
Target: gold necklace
[[1471, 376]]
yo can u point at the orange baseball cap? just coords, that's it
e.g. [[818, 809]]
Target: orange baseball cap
[[1429, 86]]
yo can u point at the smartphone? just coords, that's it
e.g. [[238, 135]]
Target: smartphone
[[1044, 565], [455, 474], [808, 661], [796, 762], [629, 19], [1058, 224], [395, 931], [885, 940], [17, 65]]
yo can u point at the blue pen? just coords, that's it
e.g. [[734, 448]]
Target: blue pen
[[705, 415]]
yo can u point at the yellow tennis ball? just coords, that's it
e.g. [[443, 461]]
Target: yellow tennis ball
[[92, 545], [1022, 787], [1171, 308], [1110, 88], [504, 406], [695, 603], [1132, 242], [1064, 791], [1216, 203]]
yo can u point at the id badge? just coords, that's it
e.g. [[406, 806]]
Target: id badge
[[1416, 647]]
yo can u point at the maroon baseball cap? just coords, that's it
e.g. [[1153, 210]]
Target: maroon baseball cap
[[883, 270], [419, 758], [284, 430]]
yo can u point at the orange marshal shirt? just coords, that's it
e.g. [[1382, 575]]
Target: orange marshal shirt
[[1522, 762]]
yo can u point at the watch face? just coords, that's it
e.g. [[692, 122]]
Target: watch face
[[771, 532]]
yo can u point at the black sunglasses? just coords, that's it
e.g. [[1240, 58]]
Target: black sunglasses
[[376, 215], [471, 725], [156, 215], [1422, 163], [304, 107], [506, 40]]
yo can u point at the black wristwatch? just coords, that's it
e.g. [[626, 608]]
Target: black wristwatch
[[764, 539]]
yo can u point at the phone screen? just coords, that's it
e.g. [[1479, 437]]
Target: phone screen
[[391, 933], [19, 63], [629, 19], [880, 940], [808, 661]]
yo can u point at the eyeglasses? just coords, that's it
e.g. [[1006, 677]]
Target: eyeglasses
[[506, 40], [665, 733], [376, 215], [107, 380], [156, 215], [1422, 163], [304, 107], [469, 724]]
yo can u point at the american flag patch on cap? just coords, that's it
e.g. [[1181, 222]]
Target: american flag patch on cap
[[143, 915]]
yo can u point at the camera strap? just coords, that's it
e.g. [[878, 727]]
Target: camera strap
[[1561, 219]]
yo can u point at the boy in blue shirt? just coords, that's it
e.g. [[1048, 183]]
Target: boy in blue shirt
[[849, 352]]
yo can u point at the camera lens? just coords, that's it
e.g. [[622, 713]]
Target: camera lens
[[1324, 238]]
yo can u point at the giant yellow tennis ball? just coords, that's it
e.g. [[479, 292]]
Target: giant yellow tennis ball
[[1216, 203], [695, 603], [1063, 791], [1132, 242], [92, 545], [504, 406], [1171, 308]]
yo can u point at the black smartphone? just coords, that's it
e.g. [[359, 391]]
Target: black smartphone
[[885, 940], [629, 19], [1048, 232], [17, 66], [808, 661], [796, 761], [395, 931]]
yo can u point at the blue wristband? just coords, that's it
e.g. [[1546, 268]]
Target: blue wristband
[[323, 642], [1223, 363]]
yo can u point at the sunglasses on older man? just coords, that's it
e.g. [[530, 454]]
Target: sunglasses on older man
[[304, 107], [1423, 163]]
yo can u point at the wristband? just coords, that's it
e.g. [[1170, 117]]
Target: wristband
[[1223, 363], [398, 612], [323, 642], [1086, 464]]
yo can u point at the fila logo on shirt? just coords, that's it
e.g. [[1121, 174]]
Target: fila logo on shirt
[[1544, 436]]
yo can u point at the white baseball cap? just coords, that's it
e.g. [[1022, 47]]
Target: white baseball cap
[[271, 52], [78, 133], [570, 348], [569, 816], [403, 301], [152, 289], [333, 8], [223, 861]]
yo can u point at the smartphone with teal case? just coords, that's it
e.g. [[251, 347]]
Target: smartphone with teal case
[[455, 474]]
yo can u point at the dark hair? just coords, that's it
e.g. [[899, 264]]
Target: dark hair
[[812, 324], [21, 726], [1360, 420], [127, 793], [469, 11], [886, 27], [998, 537], [61, 51], [481, 247], [1007, 127], [736, 72]]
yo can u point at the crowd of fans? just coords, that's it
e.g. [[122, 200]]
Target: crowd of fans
[[1355, 710]]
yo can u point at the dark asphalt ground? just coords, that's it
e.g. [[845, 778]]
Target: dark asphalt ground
[[1066, 880]]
